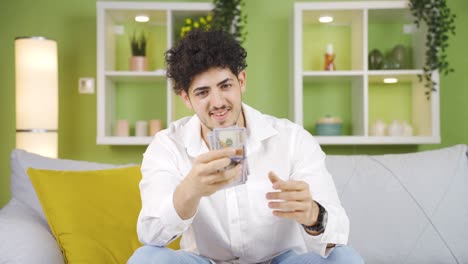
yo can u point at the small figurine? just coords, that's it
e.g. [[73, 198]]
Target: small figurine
[[329, 58]]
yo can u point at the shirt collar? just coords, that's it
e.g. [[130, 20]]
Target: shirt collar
[[258, 129]]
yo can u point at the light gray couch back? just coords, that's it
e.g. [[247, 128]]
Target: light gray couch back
[[406, 208]]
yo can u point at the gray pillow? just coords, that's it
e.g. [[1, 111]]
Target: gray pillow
[[21, 187]]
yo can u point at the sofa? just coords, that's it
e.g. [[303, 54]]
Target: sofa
[[403, 208]]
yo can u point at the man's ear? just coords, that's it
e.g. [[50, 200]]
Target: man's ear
[[242, 81], [186, 99]]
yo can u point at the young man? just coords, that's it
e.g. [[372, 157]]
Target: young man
[[288, 211]]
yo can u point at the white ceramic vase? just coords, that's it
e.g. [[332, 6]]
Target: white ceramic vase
[[395, 129], [378, 128]]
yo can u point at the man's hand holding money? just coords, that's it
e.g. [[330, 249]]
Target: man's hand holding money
[[210, 172]]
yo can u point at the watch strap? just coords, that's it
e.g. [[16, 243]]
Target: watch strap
[[320, 224]]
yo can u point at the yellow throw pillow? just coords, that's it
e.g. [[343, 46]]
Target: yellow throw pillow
[[92, 214]]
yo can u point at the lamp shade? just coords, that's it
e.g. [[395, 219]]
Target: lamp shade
[[36, 95]]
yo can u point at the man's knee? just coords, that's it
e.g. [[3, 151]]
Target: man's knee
[[152, 255], [345, 254]]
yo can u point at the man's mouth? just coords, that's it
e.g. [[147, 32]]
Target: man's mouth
[[220, 114]]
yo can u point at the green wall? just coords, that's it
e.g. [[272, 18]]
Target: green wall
[[73, 25]]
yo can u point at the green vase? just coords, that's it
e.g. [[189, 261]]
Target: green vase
[[400, 56], [375, 60]]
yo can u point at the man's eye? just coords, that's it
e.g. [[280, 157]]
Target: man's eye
[[227, 85], [202, 93]]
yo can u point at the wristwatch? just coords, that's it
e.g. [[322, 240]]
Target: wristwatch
[[322, 218]]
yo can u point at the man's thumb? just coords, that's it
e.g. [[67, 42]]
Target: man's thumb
[[273, 177]]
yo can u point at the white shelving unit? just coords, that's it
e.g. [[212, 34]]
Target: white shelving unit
[[353, 92], [115, 22]]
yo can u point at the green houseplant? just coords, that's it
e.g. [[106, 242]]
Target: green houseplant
[[440, 23], [138, 61], [228, 16]]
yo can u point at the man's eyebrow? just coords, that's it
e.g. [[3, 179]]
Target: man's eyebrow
[[201, 88], [207, 87], [223, 81]]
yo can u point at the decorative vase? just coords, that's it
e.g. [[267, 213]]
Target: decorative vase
[[155, 126], [395, 129], [138, 63], [400, 56], [122, 128], [378, 128], [141, 128], [329, 58], [407, 129], [375, 60], [328, 126]]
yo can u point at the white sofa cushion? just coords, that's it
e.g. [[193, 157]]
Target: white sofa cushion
[[24, 238], [21, 187], [406, 208]]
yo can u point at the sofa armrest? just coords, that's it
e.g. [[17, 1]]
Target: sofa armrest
[[24, 237]]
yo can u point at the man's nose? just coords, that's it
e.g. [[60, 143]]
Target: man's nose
[[217, 99]]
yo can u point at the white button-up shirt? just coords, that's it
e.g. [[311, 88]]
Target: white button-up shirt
[[235, 224]]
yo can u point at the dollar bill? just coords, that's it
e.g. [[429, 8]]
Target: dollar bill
[[236, 138]]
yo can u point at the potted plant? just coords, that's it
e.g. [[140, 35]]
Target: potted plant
[[228, 16], [440, 23], [203, 23], [138, 61]]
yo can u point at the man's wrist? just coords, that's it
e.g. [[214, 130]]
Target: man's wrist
[[185, 201], [190, 193], [319, 226]]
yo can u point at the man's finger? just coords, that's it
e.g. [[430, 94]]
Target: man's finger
[[226, 177], [287, 214], [288, 196], [223, 176], [273, 177], [216, 154], [216, 166], [290, 186], [288, 206]]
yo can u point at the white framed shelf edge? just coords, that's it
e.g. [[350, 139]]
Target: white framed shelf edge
[[124, 76], [136, 73], [351, 5], [332, 73], [109, 140], [394, 72], [372, 140], [190, 6]]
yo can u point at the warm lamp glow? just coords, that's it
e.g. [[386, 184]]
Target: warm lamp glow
[[44, 144], [390, 80], [141, 18], [36, 95], [325, 19]]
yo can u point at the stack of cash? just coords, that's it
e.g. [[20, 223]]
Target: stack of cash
[[236, 138]]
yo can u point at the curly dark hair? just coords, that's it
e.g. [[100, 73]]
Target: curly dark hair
[[199, 51]]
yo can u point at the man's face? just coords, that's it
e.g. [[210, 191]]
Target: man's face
[[216, 98]]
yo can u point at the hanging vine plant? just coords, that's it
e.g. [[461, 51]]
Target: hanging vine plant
[[228, 16], [440, 23]]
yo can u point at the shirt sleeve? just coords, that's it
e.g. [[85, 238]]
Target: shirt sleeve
[[308, 161], [158, 223]]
